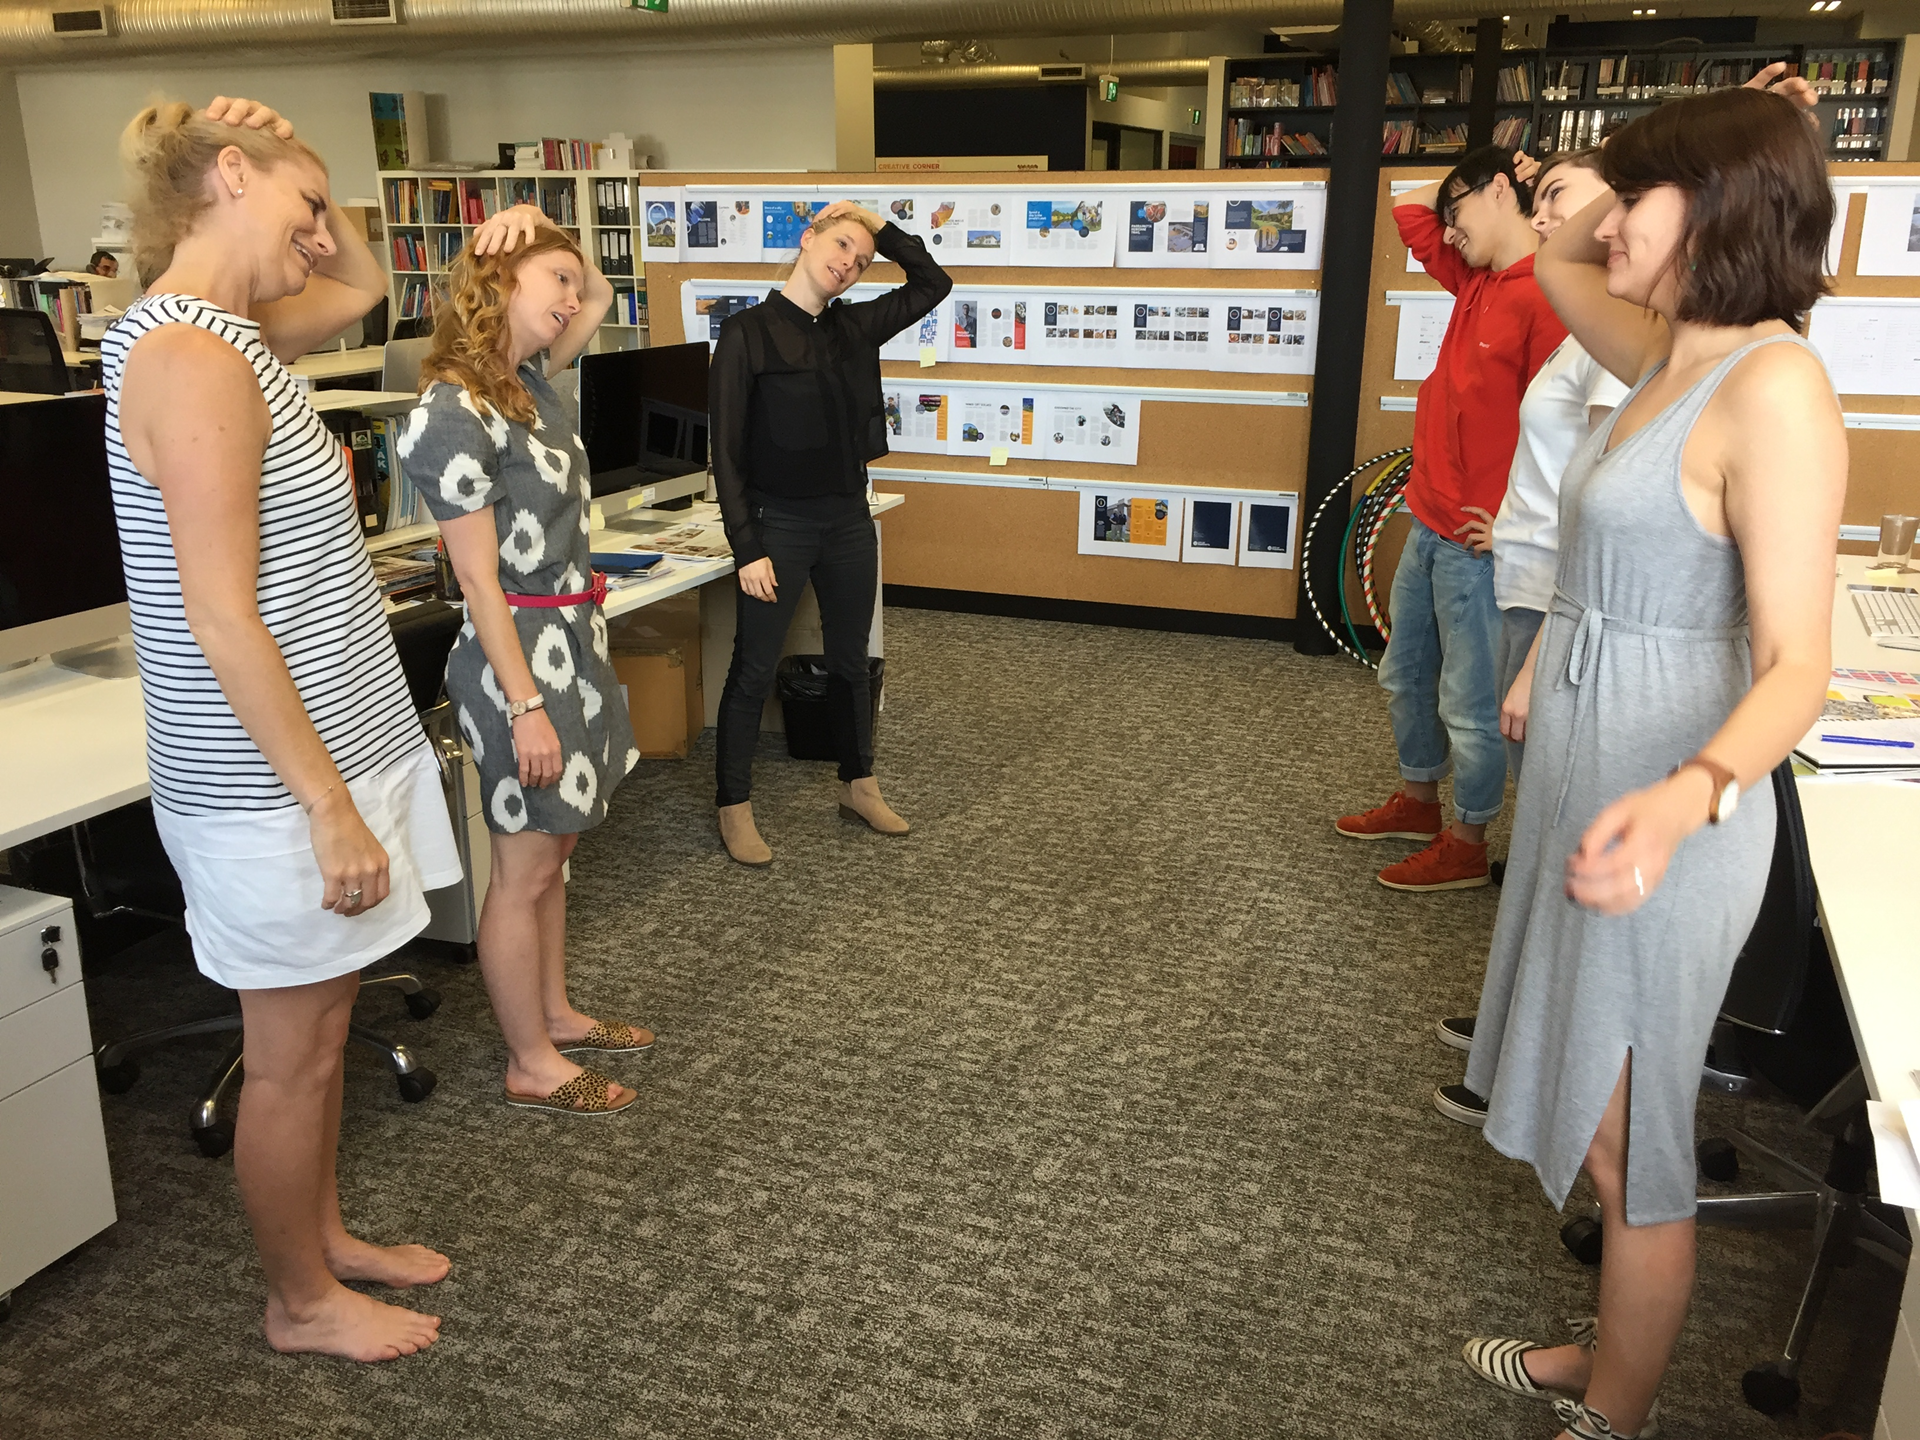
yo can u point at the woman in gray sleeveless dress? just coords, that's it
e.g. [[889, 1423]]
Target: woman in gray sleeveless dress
[[1685, 653]]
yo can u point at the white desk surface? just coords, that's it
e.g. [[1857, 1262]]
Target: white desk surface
[[332, 364], [76, 744], [373, 402], [1860, 835]]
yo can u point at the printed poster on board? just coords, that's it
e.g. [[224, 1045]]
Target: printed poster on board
[[1277, 228], [783, 220], [1071, 231], [1171, 231], [916, 417], [1080, 329], [990, 327], [660, 221], [722, 227], [1173, 331], [1271, 334], [1091, 426], [705, 304], [990, 420], [960, 227], [1130, 525]]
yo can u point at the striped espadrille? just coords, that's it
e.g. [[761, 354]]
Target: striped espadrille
[[1585, 1424], [1499, 1363]]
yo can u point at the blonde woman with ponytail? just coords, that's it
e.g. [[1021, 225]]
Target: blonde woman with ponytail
[[292, 783], [495, 454]]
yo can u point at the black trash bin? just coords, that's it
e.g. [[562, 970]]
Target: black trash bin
[[802, 685]]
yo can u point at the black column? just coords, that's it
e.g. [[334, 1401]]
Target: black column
[[1346, 273], [1487, 33]]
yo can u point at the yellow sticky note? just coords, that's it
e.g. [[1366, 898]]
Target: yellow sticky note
[[997, 456], [1892, 702], [926, 357]]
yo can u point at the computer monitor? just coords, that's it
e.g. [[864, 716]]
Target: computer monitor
[[643, 415], [61, 585]]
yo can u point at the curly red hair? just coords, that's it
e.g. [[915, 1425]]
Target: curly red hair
[[470, 325]]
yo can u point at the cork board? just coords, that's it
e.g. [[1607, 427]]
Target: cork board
[[1883, 465], [1022, 542]]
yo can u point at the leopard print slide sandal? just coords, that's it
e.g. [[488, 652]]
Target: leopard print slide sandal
[[614, 1037], [585, 1094]]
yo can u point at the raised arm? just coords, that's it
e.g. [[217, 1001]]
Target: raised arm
[[196, 425], [879, 320], [347, 280], [1423, 232], [1572, 270]]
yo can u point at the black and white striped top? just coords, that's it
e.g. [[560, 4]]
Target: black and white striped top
[[316, 594]]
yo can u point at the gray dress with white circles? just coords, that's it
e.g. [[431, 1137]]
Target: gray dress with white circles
[[462, 457]]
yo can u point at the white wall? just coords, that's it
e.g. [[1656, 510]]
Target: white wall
[[19, 223], [692, 110]]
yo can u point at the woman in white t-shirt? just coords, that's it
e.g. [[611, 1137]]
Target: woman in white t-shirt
[[1569, 395]]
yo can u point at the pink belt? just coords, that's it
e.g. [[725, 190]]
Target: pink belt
[[596, 596]]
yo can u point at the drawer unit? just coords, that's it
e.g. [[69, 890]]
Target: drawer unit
[[55, 1190]]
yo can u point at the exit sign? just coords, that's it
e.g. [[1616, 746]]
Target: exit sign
[[660, 5], [1193, 117]]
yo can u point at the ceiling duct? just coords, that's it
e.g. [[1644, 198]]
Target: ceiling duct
[[82, 24], [293, 31], [366, 12], [1436, 37], [1153, 74]]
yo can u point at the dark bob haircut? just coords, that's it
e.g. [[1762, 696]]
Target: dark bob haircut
[[1476, 171], [1759, 207]]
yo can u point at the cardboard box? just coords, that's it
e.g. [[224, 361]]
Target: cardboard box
[[664, 699]]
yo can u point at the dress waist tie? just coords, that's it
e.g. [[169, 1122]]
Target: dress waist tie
[[1583, 661]]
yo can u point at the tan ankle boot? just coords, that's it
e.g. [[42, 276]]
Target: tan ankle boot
[[742, 839], [861, 801]]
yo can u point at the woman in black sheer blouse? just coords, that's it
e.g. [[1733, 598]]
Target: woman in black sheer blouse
[[797, 414]]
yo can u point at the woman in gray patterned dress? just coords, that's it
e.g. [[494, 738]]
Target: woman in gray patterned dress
[[495, 454], [1684, 655]]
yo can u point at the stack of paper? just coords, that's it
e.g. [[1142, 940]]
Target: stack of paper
[[1870, 725], [1893, 1130]]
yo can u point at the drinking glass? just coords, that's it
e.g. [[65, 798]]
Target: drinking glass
[[1896, 541]]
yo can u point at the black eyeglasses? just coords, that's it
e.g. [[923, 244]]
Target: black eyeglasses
[[1450, 206]]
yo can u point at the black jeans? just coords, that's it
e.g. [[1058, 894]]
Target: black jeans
[[830, 541]]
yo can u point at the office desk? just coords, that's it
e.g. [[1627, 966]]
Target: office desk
[[77, 743], [336, 364], [1860, 838], [371, 402]]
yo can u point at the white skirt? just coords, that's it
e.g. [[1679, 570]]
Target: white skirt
[[253, 886]]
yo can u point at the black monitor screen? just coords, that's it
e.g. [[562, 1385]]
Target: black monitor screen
[[59, 550], [610, 411]]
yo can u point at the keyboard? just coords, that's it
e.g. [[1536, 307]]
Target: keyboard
[[1890, 613]]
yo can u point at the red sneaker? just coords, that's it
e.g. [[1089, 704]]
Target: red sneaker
[[1449, 863], [1398, 819]]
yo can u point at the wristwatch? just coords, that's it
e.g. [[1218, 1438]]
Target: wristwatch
[[517, 708], [1726, 790]]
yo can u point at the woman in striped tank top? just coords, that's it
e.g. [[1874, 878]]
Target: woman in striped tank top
[[292, 783]]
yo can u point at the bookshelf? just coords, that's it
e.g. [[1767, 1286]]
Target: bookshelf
[[429, 216], [1280, 107]]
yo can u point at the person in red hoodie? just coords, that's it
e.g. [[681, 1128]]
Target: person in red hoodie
[[1473, 234]]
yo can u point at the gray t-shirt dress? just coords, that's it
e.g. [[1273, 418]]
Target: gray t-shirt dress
[[462, 456]]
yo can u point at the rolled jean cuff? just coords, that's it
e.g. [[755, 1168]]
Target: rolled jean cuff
[[1422, 774], [1476, 817]]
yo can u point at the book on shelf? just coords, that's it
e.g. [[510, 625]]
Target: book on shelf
[[1401, 90], [1515, 85], [1397, 137], [610, 203], [567, 154], [399, 129], [440, 209], [1325, 83], [1444, 140], [1515, 132], [403, 202], [409, 251], [416, 299], [1257, 92]]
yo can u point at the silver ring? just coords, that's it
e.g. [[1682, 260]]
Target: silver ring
[[352, 897], [1638, 883]]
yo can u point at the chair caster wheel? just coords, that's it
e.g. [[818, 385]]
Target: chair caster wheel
[[416, 1085], [1718, 1159], [1497, 871], [1581, 1236], [1769, 1391], [463, 954], [118, 1079], [423, 1004], [214, 1141]]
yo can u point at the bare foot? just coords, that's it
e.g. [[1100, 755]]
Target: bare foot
[[1564, 1367], [398, 1266], [351, 1325], [572, 1028]]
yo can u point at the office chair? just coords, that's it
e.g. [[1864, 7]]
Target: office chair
[[1783, 1021], [123, 870], [400, 362], [30, 357]]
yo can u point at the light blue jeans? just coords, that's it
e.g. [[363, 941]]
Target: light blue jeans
[[1441, 672]]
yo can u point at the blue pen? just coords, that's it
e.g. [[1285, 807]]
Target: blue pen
[[1866, 740]]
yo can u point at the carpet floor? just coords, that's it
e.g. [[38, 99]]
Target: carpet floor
[[1097, 1107]]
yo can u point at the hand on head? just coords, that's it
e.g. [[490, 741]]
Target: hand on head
[[848, 209], [229, 110], [1796, 89]]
